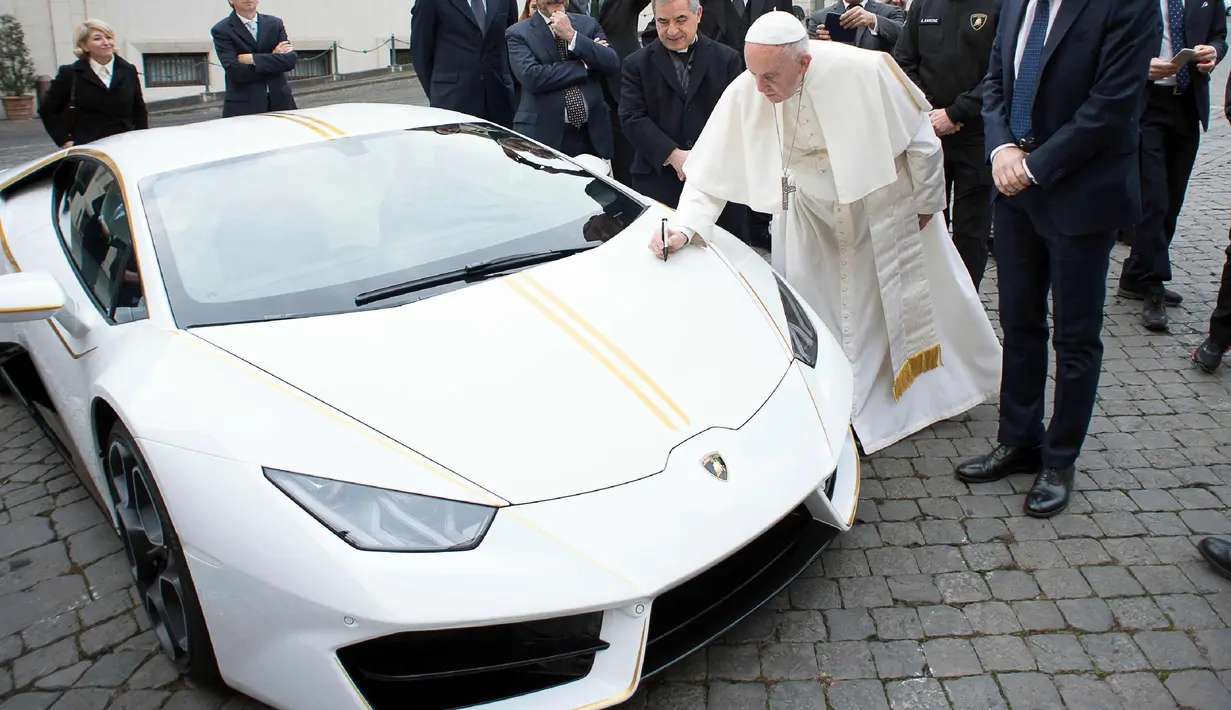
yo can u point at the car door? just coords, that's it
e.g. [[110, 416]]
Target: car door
[[93, 260]]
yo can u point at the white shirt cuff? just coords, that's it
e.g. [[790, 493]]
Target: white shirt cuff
[[999, 148], [572, 43], [875, 23]]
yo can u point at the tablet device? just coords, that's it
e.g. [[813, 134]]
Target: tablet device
[[1184, 56], [837, 32]]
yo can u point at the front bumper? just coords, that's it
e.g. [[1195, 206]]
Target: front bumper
[[300, 620]]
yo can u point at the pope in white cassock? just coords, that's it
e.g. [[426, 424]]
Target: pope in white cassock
[[835, 141]]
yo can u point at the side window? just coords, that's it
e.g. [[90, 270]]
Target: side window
[[93, 225]]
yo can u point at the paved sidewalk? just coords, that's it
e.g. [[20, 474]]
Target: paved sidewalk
[[944, 595]]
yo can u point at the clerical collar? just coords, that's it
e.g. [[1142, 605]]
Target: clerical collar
[[688, 49]]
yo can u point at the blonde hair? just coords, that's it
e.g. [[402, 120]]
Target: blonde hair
[[83, 31]]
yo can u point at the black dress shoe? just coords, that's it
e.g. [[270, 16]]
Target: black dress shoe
[[1208, 356], [1217, 552], [1173, 298], [1050, 493], [1154, 312], [1002, 461]]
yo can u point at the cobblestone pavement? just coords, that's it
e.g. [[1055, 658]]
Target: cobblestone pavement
[[943, 596]]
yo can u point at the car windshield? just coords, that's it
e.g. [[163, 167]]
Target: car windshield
[[308, 230]]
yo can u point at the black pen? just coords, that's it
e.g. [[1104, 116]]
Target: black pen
[[664, 238]]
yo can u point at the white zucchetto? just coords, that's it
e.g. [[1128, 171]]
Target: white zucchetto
[[776, 28]]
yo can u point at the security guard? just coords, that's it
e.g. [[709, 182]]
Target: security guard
[[944, 47]]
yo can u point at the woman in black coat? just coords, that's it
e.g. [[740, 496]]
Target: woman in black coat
[[97, 96]]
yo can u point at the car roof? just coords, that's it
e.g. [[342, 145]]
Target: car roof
[[139, 154]]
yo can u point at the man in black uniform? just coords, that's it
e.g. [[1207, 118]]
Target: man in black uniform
[[944, 47]]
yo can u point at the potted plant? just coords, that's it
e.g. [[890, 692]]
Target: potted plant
[[16, 71]]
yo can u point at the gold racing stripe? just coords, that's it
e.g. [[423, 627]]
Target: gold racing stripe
[[310, 126], [312, 120], [514, 283], [624, 358]]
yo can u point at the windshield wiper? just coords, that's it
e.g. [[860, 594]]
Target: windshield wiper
[[477, 271]]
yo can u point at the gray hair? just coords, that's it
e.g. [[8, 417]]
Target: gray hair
[[694, 6], [797, 50]]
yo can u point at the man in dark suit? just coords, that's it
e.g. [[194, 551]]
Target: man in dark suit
[[670, 89], [1177, 110], [877, 25], [619, 19], [727, 21], [559, 59], [256, 55], [1061, 103], [461, 57]]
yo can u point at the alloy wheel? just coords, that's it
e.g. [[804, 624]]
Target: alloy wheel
[[157, 569]]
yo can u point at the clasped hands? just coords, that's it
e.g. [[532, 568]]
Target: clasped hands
[[282, 48]]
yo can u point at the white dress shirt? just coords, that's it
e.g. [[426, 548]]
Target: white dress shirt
[[253, 25], [103, 71], [1165, 51]]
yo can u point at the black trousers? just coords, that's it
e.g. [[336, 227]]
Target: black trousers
[[664, 186], [1220, 322], [968, 178], [576, 141], [1170, 136], [1032, 257]]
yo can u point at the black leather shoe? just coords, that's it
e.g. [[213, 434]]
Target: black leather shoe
[[1154, 312], [1208, 356], [1173, 298], [1050, 493], [1217, 552], [1002, 461]]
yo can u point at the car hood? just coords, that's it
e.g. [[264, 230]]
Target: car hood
[[562, 379]]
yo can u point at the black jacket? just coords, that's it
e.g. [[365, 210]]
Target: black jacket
[[656, 113], [720, 21], [461, 66], [258, 87], [100, 111], [944, 48]]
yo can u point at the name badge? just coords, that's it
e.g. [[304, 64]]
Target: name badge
[[929, 20]]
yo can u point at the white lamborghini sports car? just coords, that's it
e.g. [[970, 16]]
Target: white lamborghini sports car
[[393, 408]]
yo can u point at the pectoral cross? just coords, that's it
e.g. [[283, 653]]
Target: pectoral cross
[[787, 189]]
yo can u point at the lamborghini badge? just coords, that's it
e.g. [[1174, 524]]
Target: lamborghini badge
[[716, 467], [977, 21]]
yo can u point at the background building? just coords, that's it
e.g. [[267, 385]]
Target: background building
[[169, 41]]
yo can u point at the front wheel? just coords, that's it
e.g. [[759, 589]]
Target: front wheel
[[156, 559]]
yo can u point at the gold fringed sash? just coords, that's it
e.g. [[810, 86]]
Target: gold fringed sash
[[915, 365]]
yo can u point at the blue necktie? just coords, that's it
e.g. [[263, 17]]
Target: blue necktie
[[1176, 17], [1020, 113]]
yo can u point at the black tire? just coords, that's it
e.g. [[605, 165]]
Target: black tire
[[156, 558]]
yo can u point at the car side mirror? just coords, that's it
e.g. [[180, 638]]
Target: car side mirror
[[593, 163], [29, 296]]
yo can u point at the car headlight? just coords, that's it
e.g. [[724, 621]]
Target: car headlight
[[379, 519], [803, 332]]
